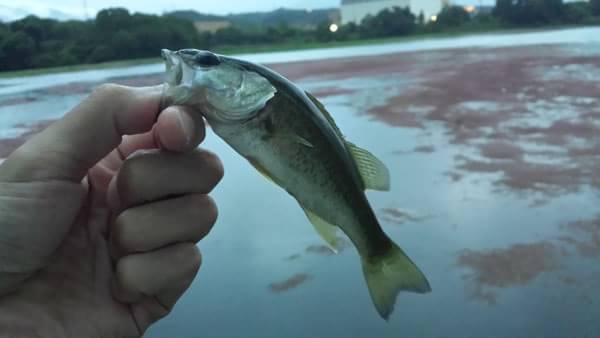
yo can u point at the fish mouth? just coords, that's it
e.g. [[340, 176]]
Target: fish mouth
[[174, 68]]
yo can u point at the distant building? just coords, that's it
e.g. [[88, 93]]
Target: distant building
[[474, 10], [211, 26], [356, 10]]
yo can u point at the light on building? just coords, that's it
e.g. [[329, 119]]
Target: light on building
[[333, 28], [433, 18], [470, 9]]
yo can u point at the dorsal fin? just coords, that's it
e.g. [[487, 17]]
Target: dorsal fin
[[374, 173], [326, 114]]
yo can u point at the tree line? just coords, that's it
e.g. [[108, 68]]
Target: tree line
[[117, 34]]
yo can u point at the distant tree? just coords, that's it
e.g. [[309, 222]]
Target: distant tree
[[205, 40], [122, 43], [529, 12], [595, 7], [113, 19], [349, 31], [18, 49], [322, 32], [397, 21], [100, 54], [577, 12], [44, 60], [453, 16], [229, 36], [485, 20], [4, 34], [421, 18], [551, 10], [504, 10]]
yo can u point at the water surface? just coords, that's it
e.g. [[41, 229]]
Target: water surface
[[495, 194]]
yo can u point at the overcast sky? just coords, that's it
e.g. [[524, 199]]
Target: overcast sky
[[205, 6]]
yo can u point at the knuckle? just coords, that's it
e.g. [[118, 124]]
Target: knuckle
[[22, 164], [121, 233], [214, 165], [205, 209], [210, 210], [134, 174], [193, 259], [127, 179], [107, 90], [124, 273]]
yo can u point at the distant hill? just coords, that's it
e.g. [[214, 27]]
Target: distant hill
[[9, 13], [293, 17], [298, 18], [195, 16]]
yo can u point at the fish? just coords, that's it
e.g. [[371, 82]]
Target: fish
[[290, 138]]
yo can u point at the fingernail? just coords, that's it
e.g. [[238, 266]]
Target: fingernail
[[188, 128]]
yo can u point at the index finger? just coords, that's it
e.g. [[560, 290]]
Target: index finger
[[178, 129], [68, 148]]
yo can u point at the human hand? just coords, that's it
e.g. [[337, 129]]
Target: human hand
[[98, 231]]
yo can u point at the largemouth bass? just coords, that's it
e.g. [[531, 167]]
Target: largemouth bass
[[289, 137]]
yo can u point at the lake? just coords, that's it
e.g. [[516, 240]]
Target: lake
[[493, 145]]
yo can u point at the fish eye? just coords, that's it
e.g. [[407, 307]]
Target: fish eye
[[206, 59]]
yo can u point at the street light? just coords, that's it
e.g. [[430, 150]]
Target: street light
[[333, 28]]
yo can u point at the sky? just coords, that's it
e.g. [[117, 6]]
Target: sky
[[76, 7]]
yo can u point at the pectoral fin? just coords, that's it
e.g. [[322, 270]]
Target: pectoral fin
[[301, 140], [374, 173], [261, 170], [326, 230]]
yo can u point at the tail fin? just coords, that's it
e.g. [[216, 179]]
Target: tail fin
[[389, 274]]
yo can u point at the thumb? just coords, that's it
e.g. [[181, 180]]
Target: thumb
[[40, 182], [68, 148]]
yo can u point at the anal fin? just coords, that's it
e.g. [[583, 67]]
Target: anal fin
[[326, 230]]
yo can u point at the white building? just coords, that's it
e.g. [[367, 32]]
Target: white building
[[356, 10]]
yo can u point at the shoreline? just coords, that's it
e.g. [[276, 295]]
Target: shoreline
[[285, 48]]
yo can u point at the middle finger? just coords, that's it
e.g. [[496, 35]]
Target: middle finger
[[151, 226], [155, 175]]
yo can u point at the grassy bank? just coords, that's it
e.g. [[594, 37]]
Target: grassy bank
[[288, 46]]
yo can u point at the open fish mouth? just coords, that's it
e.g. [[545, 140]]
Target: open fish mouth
[[173, 63]]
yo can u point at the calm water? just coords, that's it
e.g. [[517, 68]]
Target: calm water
[[497, 258]]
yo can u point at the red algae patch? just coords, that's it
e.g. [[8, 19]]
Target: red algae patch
[[530, 116], [319, 249], [522, 176], [323, 250], [527, 114], [139, 81], [290, 283], [322, 93], [501, 150], [517, 265], [587, 241], [15, 101], [424, 149], [293, 257], [399, 216]]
